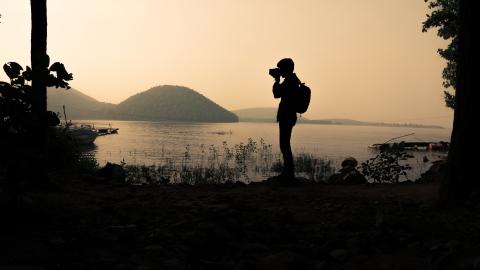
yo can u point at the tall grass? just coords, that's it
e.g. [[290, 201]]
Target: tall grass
[[246, 162]]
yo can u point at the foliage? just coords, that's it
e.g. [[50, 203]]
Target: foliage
[[17, 97], [87, 162], [444, 16], [385, 167], [224, 164], [316, 169]]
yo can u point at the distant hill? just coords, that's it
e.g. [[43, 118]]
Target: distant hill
[[173, 103], [78, 105], [161, 103], [268, 114], [256, 114], [259, 114]]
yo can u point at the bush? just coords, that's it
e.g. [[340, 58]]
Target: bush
[[385, 167]]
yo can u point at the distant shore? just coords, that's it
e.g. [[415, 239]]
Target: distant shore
[[348, 123], [299, 121]]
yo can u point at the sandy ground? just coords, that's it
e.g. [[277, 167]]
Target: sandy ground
[[84, 222]]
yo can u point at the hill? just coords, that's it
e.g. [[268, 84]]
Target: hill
[[78, 105], [260, 114], [256, 114], [173, 103], [161, 103], [268, 114]]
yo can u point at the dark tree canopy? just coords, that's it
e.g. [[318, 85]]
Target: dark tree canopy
[[444, 17]]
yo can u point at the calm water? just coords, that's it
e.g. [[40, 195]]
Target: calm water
[[151, 142]]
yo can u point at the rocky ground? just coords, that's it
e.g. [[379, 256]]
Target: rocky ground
[[85, 222]]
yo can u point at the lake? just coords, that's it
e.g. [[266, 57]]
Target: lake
[[148, 143]]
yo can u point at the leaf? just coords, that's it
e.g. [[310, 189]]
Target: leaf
[[19, 81], [62, 76], [12, 70], [27, 74]]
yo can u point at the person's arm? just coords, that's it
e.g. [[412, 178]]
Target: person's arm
[[277, 89]]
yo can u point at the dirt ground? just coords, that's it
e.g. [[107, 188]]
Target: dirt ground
[[84, 222]]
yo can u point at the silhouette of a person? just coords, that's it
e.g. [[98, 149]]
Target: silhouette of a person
[[286, 114]]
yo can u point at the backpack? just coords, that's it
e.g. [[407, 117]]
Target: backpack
[[302, 98]]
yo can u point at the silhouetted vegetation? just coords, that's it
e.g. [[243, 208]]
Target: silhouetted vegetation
[[386, 166], [19, 123], [17, 98], [216, 165], [444, 17], [24, 119]]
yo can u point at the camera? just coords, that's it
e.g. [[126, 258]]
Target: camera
[[274, 72]]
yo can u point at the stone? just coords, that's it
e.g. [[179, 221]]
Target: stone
[[348, 174], [113, 172], [349, 162]]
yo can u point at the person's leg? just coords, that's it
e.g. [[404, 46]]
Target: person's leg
[[285, 147]]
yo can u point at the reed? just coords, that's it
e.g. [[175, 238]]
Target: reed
[[243, 162]]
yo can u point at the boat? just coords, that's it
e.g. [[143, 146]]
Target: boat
[[83, 134], [80, 134], [413, 146], [107, 130]]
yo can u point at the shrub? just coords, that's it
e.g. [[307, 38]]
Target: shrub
[[385, 167]]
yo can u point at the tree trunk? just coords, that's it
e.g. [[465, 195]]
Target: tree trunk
[[463, 177], [39, 56], [40, 63]]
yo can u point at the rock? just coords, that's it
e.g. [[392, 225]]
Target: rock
[[113, 172], [240, 184], [348, 174], [351, 177], [435, 173], [355, 178], [349, 162]]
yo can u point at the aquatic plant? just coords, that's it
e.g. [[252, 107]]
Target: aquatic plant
[[221, 164], [87, 162]]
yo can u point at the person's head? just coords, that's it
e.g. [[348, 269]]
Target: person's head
[[286, 66]]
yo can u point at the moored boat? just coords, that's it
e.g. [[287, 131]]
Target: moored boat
[[80, 134], [414, 146], [106, 130]]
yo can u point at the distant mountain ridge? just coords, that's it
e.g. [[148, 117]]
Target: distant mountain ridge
[[161, 103], [259, 113], [268, 114], [78, 105]]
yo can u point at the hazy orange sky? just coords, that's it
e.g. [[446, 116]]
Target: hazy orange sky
[[365, 60]]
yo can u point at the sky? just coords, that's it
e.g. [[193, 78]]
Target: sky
[[365, 60]]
